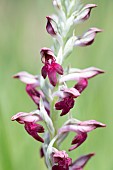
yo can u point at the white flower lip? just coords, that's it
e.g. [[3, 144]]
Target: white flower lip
[[81, 74], [27, 78]]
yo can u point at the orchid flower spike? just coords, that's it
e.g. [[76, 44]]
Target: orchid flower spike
[[51, 92]]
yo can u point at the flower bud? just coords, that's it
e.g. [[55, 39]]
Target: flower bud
[[87, 38], [84, 14], [52, 29], [51, 26]]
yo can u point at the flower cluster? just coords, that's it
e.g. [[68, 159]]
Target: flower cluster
[[51, 92]]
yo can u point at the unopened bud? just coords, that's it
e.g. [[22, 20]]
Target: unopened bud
[[87, 38], [84, 14]]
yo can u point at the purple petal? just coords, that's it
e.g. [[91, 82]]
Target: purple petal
[[58, 68], [78, 140], [61, 158], [81, 85], [65, 105], [81, 162], [41, 152], [87, 38], [34, 94], [65, 111], [59, 105], [57, 167], [33, 129], [52, 76], [27, 78], [44, 71]]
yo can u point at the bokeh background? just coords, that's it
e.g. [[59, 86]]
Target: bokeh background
[[22, 34]]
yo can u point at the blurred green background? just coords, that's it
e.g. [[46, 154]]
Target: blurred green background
[[22, 34]]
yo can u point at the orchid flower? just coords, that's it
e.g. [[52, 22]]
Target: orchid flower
[[29, 120], [61, 161], [50, 68], [66, 99], [81, 128], [32, 82]]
